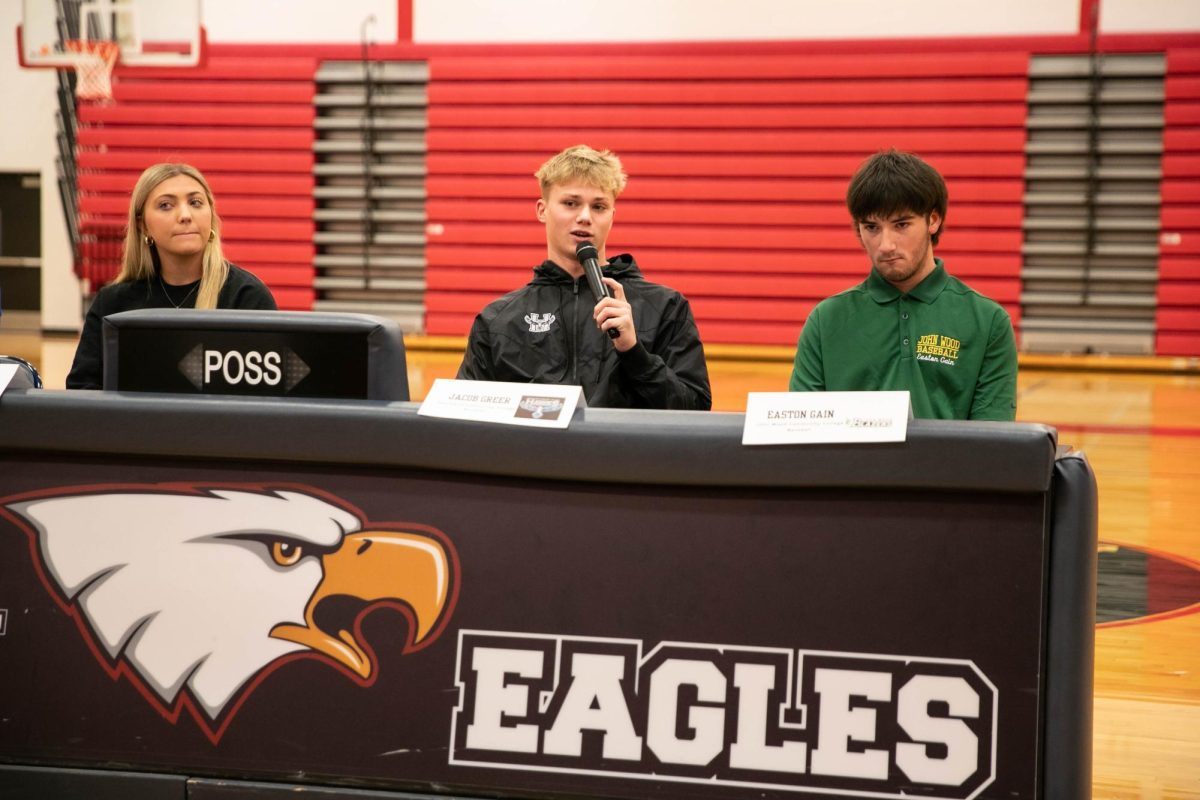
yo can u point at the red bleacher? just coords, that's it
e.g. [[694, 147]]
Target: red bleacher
[[738, 169], [739, 163], [1178, 317], [247, 124]]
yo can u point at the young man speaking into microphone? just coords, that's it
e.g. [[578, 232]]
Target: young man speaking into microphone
[[636, 348]]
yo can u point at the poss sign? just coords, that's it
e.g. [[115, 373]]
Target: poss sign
[[229, 369], [293, 363]]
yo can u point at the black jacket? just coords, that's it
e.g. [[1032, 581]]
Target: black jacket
[[544, 333], [242, 289]]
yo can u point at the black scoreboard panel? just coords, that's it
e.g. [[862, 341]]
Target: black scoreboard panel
[[255, 353], [303, 364]]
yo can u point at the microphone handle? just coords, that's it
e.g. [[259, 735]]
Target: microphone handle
[[591, 268]]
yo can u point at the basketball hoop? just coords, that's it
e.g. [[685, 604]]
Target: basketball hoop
[[95, 61]]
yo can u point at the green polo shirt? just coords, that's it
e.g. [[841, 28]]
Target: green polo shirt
[[948, 345]]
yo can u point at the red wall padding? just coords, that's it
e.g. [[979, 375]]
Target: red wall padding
[[247, 124], [738, 167], [1178, 318]]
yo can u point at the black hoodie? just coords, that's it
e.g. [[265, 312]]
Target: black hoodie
[[544, 333]]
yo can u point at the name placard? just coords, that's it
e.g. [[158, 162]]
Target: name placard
[[537, 405], [7, 371], [825, 417]]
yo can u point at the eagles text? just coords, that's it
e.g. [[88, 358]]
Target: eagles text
[[715, 714]]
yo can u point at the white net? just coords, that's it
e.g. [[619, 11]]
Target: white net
[[94, 67]]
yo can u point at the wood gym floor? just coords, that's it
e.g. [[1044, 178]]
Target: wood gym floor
[[1138, 421]]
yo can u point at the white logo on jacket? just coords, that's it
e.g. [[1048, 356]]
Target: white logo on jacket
[[539, 323]]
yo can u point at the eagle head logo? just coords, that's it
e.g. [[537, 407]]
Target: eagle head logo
[[196, 594]]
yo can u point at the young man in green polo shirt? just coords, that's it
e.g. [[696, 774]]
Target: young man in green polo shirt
[[909, 325]]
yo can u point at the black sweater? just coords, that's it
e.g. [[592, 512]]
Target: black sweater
[[544, 333], [241, 290]]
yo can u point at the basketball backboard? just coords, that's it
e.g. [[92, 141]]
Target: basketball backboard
[[149, 32]]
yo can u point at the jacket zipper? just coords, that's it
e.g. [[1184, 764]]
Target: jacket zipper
[[575, 333]]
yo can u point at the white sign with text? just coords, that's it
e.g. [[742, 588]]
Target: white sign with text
[[826, 417], [7, 372], [537, 405]]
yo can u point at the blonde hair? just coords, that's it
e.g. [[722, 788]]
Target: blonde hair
[[138, 264], [581, 163]]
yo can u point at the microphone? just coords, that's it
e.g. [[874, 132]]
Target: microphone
[[589, 257]]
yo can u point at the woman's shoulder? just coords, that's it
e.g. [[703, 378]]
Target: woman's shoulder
[[124, 296], [244, 289], [239, 276]]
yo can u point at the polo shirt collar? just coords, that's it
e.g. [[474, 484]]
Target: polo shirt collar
[[926, 291]]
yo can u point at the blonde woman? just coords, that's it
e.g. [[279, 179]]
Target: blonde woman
[[172, 259]]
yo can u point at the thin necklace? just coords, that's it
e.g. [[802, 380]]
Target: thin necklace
[[168, 296]]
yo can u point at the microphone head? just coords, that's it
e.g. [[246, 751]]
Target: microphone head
[[586, 250]]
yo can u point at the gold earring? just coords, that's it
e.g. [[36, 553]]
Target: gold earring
[[149, 241]]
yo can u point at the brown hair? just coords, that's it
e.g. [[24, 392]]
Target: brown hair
[[892, 182]]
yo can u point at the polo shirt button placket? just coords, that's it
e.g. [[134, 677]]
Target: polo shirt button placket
[[904, 332]]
